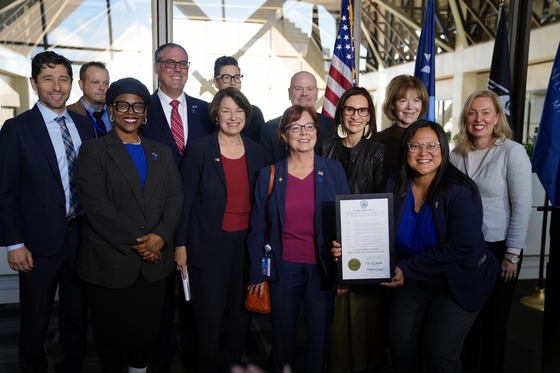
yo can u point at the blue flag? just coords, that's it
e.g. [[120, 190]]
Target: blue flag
[[425, 58], [499, 81], [546, 155]]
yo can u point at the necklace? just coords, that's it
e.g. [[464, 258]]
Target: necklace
[[134, 143]]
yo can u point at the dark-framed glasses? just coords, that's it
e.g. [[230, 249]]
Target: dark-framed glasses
[[431, 147], [226, 78], [362, 111], [296, 128], [123, 106], [170, 64]]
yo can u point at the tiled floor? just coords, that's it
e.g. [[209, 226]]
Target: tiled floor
[[523, 343]]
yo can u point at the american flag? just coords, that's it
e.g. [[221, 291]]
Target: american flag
[[342, 73]]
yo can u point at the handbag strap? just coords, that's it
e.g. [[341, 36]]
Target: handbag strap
[[271, 182]]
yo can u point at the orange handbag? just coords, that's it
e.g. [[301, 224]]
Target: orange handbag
[[254, 302]]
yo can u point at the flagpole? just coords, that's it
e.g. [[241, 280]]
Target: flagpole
[[357, 7]]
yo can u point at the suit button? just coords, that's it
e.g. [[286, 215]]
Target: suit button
[[142, 227]]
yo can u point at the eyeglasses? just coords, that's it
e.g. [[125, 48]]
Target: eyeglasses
[[362, 111], [123, 107], [431, 147], [170, 64], [226, 78], [296, 128]]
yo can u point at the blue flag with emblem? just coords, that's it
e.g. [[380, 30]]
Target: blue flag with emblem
[[425, 58], [546, 154]]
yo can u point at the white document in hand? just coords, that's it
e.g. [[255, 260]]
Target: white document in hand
[[186, 285]]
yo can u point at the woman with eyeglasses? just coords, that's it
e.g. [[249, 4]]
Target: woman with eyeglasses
[[445, 272], [130, 191], [360, 310], [219, 173], [300, 224], [228, 74], [502, 170]]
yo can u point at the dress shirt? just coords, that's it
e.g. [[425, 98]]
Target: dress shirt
[[182, 108], [90, 111], [56, 139]]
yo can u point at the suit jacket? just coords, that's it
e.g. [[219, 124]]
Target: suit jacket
[[252, 129], [118, 210], [330, 180], [157, 127], [77, 107], [462, 255], [204, 185], [32, 200], [273, 147]]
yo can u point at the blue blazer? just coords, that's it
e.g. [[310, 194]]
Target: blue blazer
[[32, 200], [204, 187], [157, 127], [462, 255], [330, 180]]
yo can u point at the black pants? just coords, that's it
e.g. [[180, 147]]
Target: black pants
[[37, 292], [485, 345]]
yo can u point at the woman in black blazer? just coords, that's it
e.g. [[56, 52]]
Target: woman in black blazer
[[219, 173], [130, 190]]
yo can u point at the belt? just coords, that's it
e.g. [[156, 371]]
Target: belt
[[74, 219]]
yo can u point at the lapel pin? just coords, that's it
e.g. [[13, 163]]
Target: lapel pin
[[280, 179], [320, 173], [154, 156], [217, 159], [194, 109]]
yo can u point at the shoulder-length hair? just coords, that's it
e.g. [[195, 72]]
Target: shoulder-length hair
[[291, 115], [355, 91], [239, 98], [446, 173], [398, 88], [464, 142]]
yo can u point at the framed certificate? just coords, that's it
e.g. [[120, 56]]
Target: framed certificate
[[365, 231]]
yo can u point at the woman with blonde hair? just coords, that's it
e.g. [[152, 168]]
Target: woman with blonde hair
[[502, 171], [406, 101]]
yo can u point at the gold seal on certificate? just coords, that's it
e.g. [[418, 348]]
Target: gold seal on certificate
[[354, 264], [365, 233]]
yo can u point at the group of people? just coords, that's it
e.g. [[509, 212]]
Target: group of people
[[117, 198]]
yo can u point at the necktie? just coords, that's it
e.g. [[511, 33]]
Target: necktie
[[100, 128], [177, 127], [71, 159]]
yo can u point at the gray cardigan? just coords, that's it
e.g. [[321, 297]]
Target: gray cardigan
[[504, 182]]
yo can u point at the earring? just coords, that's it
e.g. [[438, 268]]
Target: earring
[[145, 120], [366, 130], [111, 118], [341, 131]]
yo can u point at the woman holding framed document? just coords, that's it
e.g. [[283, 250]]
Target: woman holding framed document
[[445, 272], [361, 309]]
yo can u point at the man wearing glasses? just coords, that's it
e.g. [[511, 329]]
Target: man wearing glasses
[[303, 91], [175, 118], [228, 74]]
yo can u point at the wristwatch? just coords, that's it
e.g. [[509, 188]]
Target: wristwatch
[[512, 258]]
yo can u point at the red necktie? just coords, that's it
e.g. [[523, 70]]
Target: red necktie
[[177, 127]]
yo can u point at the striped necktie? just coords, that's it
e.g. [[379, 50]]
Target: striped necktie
[[177, 127], [71, 159]]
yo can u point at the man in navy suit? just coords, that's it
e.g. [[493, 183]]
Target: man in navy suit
[[303, 91], [172, 69], [40, 220], [171, 65]]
